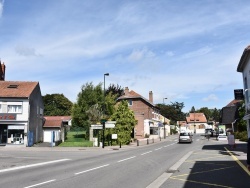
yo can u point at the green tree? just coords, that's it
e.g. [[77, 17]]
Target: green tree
[[89, 96], [91, 107], [115, 90], [57, 105], [173, 111], [125, 122], [241, 124]]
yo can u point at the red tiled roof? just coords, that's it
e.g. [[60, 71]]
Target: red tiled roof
[[23, 89], [196, 117], [132, 95], [55, 121], [233, 102]]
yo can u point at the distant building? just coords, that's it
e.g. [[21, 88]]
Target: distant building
[[149, 119], [197, 122], [55, 127], [229, 115]]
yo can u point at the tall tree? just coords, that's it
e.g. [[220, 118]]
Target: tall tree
[[91, 107], [115, 90], [173, 111], [57, 105], [89, 96], [125, 122]]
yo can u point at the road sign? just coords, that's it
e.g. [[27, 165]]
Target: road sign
[[96, 126], [109, 125], [111, 122]]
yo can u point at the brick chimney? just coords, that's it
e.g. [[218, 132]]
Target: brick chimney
[[126, 91], [2, 71], [151, 97]]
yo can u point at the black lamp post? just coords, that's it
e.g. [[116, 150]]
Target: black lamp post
[[164, 122], [103, 123]]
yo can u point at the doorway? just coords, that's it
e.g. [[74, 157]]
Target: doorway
[[3, 134]]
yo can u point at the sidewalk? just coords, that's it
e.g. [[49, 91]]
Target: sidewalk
[[215, 165]]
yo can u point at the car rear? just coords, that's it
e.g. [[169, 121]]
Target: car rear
[[185, 137]]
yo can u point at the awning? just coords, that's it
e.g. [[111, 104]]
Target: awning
[[160, 124]]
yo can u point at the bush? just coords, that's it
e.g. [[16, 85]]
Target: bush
[[242, 136]]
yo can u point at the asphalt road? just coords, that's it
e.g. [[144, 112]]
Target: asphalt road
[[136, 167]]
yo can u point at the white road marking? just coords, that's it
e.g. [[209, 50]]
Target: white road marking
[[126, 159], [158, 148], [146, 153], [40, 183], [91, 169], [33, 165]]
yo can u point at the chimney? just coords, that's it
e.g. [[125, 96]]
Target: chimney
[[126, 91], [151, 97], [2, 71]]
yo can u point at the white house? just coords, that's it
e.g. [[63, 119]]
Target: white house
[[21, 113], [244, 68]]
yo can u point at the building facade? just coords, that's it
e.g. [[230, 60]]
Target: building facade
[[21, 112], [149, 120], [244, 68]]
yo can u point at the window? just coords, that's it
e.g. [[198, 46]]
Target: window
[[130, 102], [14, 108], [154, 130], [0, 108]]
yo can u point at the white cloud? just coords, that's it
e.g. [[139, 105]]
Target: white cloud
[[211, 97], [138, 55], [26, 51], [1, 7], [199, 52]]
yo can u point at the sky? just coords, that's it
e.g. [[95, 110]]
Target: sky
[[183, 50]]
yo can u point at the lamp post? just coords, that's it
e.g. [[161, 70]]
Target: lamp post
[[194, 123], [103, 122], [164, 122]]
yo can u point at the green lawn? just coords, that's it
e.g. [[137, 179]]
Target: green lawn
[[76, 139]]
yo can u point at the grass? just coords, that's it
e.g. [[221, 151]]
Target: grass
[[76, 139]]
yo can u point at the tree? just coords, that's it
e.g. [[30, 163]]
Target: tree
[[241, 124], [173, 111], [125, 122], [115, 90], [91, 107], [57, 105], [89, 96]]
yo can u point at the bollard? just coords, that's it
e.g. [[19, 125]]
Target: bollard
[[147, 142], [120, 145], [160, 138], [137, 142], [153, 140]]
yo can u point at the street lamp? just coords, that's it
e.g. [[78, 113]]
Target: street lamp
[[164, 122], [103, 122]]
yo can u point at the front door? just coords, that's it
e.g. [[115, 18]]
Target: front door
[[3, 134]]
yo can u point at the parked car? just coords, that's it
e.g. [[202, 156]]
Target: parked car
[[185, 137]]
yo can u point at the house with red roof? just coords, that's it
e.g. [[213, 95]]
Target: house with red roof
[[55, 127], [197, 122], [149, 120], [21, 112]]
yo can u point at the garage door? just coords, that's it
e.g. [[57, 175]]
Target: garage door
[[47, 136]]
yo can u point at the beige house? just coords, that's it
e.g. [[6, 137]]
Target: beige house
[[197, 122]]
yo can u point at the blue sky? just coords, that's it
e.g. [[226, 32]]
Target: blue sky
[[186, 51]]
